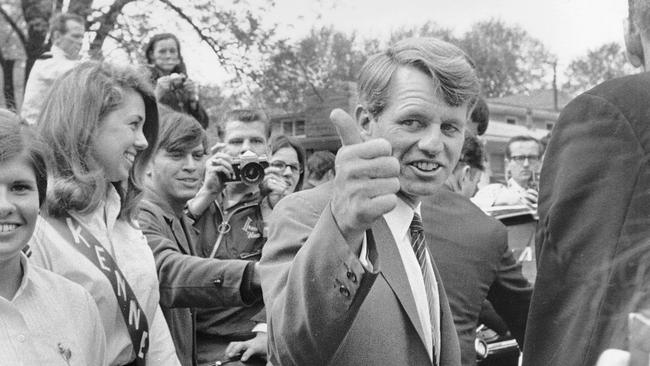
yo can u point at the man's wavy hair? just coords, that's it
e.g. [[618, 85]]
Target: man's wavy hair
[[449, 68], [75, 108]]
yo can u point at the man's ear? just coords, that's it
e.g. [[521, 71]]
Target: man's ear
[[633, 44], [364, 119]]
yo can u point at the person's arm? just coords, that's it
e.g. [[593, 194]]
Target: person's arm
[[217, 164], [191, 281], [511, 292], [305, 264]]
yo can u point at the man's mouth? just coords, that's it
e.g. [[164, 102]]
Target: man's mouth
[[425, 166], [7, 228]]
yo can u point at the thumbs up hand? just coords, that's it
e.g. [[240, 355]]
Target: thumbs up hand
[[366, 182]]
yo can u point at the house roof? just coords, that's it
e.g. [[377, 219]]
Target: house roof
[[537, 99]]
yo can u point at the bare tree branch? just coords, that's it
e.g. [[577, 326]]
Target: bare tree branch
[[106, 23]]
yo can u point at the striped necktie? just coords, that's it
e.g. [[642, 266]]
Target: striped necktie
[[419, 244]]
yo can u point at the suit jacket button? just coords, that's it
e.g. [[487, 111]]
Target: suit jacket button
[[351, 276], [344, 291], [217, 282]]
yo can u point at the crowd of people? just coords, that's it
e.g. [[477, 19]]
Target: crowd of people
[[128, 238]]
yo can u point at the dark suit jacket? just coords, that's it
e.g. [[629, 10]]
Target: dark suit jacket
[[323, 308], [186, 281], [594, 228], [475, 262]]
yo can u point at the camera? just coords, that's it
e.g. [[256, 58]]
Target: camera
[[248, 170], [176, 81]]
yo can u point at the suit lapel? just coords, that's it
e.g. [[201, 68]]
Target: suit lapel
[[392, 269]]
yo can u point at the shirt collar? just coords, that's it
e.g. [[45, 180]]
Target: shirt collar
[[400, 218], [58, 52], [24, 282]]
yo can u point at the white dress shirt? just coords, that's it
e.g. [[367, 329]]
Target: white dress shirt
[[50, 321]]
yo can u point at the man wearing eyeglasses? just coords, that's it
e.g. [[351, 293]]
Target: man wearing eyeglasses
[[523, 161]]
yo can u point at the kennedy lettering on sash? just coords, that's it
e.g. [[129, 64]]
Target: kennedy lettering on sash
[[136, 322]]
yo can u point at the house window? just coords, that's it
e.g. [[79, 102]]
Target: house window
[[294, 128], [549, 125], [511, 120]]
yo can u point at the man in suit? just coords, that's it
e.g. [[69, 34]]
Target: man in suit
[[340, 275], [594, 217], [472, 254]]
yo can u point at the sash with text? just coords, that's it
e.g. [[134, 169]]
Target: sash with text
[[91, 248]]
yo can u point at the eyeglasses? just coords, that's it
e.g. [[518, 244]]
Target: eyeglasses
[[279, 164], [520, 159]]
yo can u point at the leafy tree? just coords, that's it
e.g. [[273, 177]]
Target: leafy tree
[[508, 60], [311, 65], [599, 64], [428, 29], [234, 31]]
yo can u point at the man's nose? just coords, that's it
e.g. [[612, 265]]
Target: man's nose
[[190, 163], [287, 171], [431, 141]]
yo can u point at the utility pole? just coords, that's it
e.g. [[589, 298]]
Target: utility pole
[[555, 84]]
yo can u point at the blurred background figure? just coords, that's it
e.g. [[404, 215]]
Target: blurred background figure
[[168, 73], [523, 162], [320, 168], [66, 34], [475, 262], [46, 319], [286, 171], [480, 118]]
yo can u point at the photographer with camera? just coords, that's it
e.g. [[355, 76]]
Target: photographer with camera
[[228, 216], [168, 73]]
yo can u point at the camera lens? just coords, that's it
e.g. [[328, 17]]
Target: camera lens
[[252, 173]]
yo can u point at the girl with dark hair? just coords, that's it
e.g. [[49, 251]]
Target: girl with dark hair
[[101, 123], [168, 73], [45, 317]]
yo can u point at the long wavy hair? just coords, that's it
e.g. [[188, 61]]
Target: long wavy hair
[[74, 110]]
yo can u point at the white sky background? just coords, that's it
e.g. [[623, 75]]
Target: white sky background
[[568, 28]]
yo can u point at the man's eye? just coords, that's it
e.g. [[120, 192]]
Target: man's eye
[[236, 142], [198, 155], [257, 141], [410, 122], [449, 127]]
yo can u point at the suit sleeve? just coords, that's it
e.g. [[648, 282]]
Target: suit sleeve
[[313, 283], [187, 280], [511, 292]]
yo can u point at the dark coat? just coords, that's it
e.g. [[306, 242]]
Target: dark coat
[[475, 262], [186, 280], [594, 226], [324, 308]]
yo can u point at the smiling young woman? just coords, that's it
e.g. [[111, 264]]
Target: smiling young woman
[[102, 124], [45, 317]]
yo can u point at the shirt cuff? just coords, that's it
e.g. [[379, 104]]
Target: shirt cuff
[[363, 256], [260, 328]]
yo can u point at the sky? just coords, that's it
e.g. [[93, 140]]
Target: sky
[[568, 28]]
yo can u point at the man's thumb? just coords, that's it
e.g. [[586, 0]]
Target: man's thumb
[[346, 127]]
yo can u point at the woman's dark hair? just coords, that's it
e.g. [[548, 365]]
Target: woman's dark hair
[[74, 110], [148, 54], [280, 141], [18, 138]]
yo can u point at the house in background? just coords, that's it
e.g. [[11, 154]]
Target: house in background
[[532, 114]]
